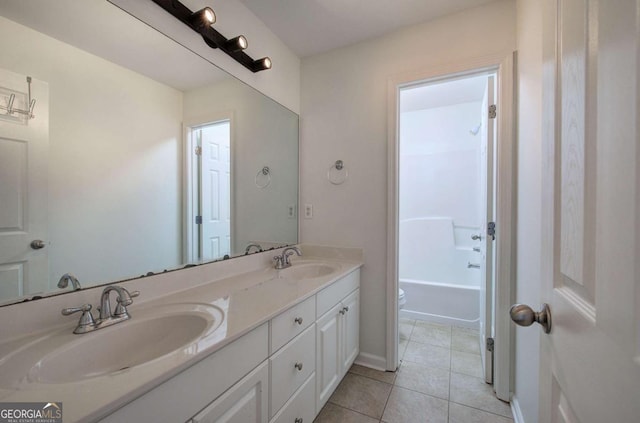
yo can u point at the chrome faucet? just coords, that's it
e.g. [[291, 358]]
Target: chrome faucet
[[66, 278], [282, 261], [250, 246], [123, 299], [88, 324]]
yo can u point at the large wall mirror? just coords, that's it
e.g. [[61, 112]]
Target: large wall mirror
[[140, 157]]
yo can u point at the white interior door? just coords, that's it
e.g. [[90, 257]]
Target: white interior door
[[590, 362], [487, 284], [24, 146], [216, 190]]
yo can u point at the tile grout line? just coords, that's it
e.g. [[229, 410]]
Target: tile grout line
[[349, 409]]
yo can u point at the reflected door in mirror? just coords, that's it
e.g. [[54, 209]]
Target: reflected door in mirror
[[213, 185], [24, 144]]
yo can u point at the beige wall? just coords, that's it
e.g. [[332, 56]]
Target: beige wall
[[527, 341], [344, 116]]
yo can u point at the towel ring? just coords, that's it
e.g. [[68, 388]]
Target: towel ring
[[265, 175], [337, 173]]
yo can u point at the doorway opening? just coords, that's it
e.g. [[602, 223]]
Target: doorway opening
[[445, 205], [209, 223], [493, 296]]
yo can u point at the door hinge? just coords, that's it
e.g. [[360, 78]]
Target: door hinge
[[198, 220], [198, 151], [491, 230], [492, 111], [490, 344]]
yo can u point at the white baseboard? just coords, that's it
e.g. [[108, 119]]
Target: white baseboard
[[515, 410], [373, 361]]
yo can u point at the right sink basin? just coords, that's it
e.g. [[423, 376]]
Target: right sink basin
[[308, 270]]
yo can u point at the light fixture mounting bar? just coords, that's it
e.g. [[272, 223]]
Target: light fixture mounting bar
[[212, 37]]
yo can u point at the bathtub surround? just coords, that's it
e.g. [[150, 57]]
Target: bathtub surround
[[347, 88]]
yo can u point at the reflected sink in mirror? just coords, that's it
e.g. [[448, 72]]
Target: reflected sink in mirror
[[62, 357], [307, 270]]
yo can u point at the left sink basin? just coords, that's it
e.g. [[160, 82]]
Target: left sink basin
[[151, 334]]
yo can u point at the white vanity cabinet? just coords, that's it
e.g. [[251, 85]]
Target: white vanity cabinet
[[283, 371], [337, 335]]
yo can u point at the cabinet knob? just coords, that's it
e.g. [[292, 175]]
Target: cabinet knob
[[298, 420], [298, 320], [342, 311], [346, 308], [298, 366]]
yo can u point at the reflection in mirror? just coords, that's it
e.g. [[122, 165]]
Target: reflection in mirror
[[140, 157]]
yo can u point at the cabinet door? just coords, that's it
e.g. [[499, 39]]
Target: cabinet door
[[328, 357], [244, 402], [351, 330]]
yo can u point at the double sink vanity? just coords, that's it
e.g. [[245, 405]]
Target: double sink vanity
[[243, 341]]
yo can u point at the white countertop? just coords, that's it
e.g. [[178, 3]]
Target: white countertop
[[249, 299]]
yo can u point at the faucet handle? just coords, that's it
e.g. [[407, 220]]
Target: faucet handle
[[121, 308], [279, 262], [86, 320]]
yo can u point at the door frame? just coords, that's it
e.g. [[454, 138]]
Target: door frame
[[189, 196], [504, 66]]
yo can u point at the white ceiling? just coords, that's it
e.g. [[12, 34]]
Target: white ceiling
[[309, 27], [443, 93]]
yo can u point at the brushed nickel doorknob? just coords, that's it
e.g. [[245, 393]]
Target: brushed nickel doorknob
[[523, 315], [37, 244]]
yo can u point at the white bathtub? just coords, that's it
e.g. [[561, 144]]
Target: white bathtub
[[457, 305], [433, 273]]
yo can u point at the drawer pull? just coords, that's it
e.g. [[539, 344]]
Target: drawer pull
[[298, 366], [298, 320], [298, 420]]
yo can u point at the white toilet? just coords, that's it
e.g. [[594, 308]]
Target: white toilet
[[401, 299]]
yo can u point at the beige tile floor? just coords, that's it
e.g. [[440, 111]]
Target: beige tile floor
[[439, 380]]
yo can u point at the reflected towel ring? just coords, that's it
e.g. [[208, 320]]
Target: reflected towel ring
[[265, 175], [337, 173]]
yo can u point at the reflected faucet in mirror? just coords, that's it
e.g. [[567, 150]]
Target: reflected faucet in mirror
[[250, 246], [66, 278]]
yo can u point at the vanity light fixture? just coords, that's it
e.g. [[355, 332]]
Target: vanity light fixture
[[201, 22], [237, 44], [202, 18]]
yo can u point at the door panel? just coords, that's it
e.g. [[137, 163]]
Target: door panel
[[351, 320], [590, 370], [328, 357], [216, 190], [24, 146]]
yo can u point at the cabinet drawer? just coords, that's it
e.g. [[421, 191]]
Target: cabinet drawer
[[291, 323], [286, 378], [300, 406], [334, 293]]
